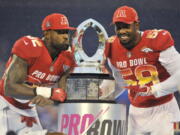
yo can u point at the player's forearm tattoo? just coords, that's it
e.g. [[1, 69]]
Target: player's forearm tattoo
[[18, 70], [16, 73]]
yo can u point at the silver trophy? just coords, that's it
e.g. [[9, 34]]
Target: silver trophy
[[84, 83], [85, 63]]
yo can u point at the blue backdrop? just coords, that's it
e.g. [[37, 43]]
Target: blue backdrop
[[24, 17]]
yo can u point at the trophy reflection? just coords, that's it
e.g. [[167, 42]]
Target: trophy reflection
[[90, 75]]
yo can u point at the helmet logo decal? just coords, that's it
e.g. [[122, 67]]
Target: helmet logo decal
[[64, 21], [48, 24]]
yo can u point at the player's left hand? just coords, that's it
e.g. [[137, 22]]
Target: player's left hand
[[137, 88], [149, 91], [140, 90], [41, 101]]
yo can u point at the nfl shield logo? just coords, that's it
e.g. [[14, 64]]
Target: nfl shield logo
[[48, 24], [129, 54]]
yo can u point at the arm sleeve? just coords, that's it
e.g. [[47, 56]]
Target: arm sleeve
[[169, 58]]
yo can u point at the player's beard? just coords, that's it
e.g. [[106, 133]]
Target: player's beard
[[61, 47], [128, 44]]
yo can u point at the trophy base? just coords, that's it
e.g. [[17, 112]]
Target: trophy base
[[92, 119], [86, 86]]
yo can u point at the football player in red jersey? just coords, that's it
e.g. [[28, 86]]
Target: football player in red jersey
[[35, 66], [144, 59]]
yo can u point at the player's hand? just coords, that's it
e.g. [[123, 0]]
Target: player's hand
[[58, 94], [149, 91], [55, 133], [100, 92], [40, 101], [139, 90]]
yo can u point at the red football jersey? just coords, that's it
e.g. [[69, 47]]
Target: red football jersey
[[42, 70], [141, 66]]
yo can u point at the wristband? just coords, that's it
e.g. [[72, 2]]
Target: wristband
[[43, 91]]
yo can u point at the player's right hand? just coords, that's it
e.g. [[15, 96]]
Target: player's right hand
[[58, 94], [40, 101]]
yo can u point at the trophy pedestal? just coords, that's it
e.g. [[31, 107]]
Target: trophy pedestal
[[87, 118], [86, 113]]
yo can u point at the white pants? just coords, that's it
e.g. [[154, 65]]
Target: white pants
[[156, 120], [10, 120]]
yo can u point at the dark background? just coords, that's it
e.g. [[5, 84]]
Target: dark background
[[24, 17]]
